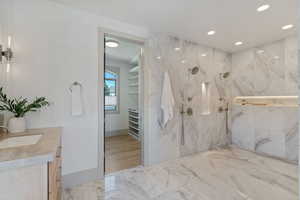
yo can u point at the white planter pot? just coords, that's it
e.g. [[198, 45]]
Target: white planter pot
[[16, 125]]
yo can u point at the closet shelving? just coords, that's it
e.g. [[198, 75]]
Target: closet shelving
[[136, 77], [133, 93], [135, 69], [134, 81], [133, 84], [133, 111], [133, 123]]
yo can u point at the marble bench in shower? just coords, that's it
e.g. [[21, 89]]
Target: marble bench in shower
[[267, 125]]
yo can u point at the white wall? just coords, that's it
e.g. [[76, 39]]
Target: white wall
[[55, 46], [119, 121]]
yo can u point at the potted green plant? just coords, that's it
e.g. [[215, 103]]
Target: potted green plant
[[19, 107]]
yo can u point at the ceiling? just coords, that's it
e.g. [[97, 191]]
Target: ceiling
[[126, 51], [233, 20]]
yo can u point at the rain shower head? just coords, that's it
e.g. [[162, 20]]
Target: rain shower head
[[194, 70]]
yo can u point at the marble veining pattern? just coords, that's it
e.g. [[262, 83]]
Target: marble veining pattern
[[202, 132], [225, 174], [271, 130]]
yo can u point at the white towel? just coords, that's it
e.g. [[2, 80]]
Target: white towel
[[77, 107], [167, 101]]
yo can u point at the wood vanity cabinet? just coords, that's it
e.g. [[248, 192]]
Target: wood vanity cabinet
[[54, 177], [36, 182], [32, 172]]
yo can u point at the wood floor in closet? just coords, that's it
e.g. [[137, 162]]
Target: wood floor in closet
[[121, 152]]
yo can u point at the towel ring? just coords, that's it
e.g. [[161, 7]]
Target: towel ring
[[74, 84]]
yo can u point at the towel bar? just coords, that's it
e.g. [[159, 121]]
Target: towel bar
[[74, 84]]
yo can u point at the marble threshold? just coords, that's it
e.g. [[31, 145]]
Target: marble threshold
[[222, 174]]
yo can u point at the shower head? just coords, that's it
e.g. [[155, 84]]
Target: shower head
[[194, 70], [225, 75]]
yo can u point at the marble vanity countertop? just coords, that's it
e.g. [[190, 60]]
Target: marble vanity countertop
[[42, 152]]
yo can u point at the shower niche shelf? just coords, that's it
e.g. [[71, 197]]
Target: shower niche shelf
[[267, 101]]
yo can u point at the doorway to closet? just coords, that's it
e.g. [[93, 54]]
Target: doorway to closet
[[122, 104]]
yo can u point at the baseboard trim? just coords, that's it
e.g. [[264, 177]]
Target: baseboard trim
[[77, 178]]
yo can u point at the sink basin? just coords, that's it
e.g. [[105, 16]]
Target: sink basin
[[18, 141]]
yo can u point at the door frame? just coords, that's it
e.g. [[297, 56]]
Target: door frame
[[102, 32]]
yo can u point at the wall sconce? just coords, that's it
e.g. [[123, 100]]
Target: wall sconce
[[6, 53], [205, 98]]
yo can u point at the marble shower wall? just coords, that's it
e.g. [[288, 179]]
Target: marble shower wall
[[271, 72], [202, 132]]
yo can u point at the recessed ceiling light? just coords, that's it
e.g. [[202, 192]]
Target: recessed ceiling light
[[238, 43], [263, 7], [260, 51], [112, 43], [177, 49], [203, 55], [286, 27], [211, 32], [158, 57], [183, 61], [276, 57]]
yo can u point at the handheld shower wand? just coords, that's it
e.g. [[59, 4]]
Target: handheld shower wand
[[182, 124]]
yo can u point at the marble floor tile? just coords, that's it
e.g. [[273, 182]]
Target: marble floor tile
[[224, 174]]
